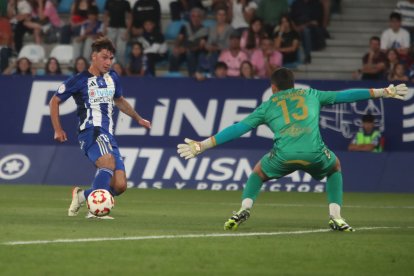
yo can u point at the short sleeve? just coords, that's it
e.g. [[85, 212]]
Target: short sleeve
[[118, 87], [67, 89], [257, 117]]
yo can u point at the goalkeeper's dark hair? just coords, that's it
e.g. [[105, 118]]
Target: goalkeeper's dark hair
[[103, 43], [283, 78]]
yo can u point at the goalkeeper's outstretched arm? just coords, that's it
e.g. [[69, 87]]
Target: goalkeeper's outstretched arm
[[353, 95], [193, 148]]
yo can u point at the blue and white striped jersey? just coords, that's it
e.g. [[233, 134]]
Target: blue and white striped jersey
[[94, 96]]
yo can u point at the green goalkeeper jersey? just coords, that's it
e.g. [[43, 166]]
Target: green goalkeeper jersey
[[293, 117]]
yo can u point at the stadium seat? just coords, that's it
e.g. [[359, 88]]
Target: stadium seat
[[34, 52], [63, 53], [64, 6], [173, 29]]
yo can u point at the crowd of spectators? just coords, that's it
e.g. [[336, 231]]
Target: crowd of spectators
[[391, 56], [250, 37], [268, 33]]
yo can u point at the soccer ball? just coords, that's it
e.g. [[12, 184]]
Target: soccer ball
[[100, 202]]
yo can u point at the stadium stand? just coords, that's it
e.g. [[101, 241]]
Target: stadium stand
[[350, 31]]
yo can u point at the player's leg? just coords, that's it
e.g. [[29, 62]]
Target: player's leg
[[334, 190], [98, 148], [250, 192], [106, 167], [253, 186], [118, 183], [119, 180], [327, 164]]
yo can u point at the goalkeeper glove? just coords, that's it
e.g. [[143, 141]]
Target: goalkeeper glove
[[396, 92], [193, 148]]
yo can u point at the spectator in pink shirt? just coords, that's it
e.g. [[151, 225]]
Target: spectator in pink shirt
[[51, 13], [266, 59], [250, 39], [233, 56]]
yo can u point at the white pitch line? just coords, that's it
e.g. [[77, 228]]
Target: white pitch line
[[213, 235], [268, 204]]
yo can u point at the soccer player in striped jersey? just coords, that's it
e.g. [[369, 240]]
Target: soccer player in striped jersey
[[293, 116], [95, 92]]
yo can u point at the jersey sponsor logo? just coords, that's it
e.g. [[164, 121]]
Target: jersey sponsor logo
[[101, 95]]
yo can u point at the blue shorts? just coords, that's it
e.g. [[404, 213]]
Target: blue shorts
[[95, 142]]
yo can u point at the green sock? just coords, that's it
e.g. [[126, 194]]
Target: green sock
[[253, 186], [334, 188]]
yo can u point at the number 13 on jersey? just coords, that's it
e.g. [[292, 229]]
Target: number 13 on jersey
[[302, 114]]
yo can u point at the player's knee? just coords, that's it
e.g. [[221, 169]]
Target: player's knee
[[106, 161], [120, 186], [337, 167], [258, 170]]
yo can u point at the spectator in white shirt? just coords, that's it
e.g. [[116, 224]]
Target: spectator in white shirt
[[241, 12], [406, 9], [396, 37]]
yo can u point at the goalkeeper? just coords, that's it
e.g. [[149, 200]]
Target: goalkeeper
[[293, 116]]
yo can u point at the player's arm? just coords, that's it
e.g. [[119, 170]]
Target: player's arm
[[60, 134], [354, 95], [193, 148], [126, 108]]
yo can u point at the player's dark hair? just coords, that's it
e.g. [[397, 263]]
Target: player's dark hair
[[283, 78], [395, 15], [103, 43]]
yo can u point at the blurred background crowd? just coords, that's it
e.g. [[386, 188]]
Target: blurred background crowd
[[196, 38]]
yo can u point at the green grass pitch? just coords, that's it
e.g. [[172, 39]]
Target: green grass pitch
[[296, 242]]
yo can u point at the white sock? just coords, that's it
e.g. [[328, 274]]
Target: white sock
[[81, 196], [247, 203], [334, 210]]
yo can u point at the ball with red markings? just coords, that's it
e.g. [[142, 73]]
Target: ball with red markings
[[100, 202]]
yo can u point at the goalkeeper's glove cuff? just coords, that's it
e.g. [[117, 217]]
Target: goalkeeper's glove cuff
[[208, 143], [377, 93]]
